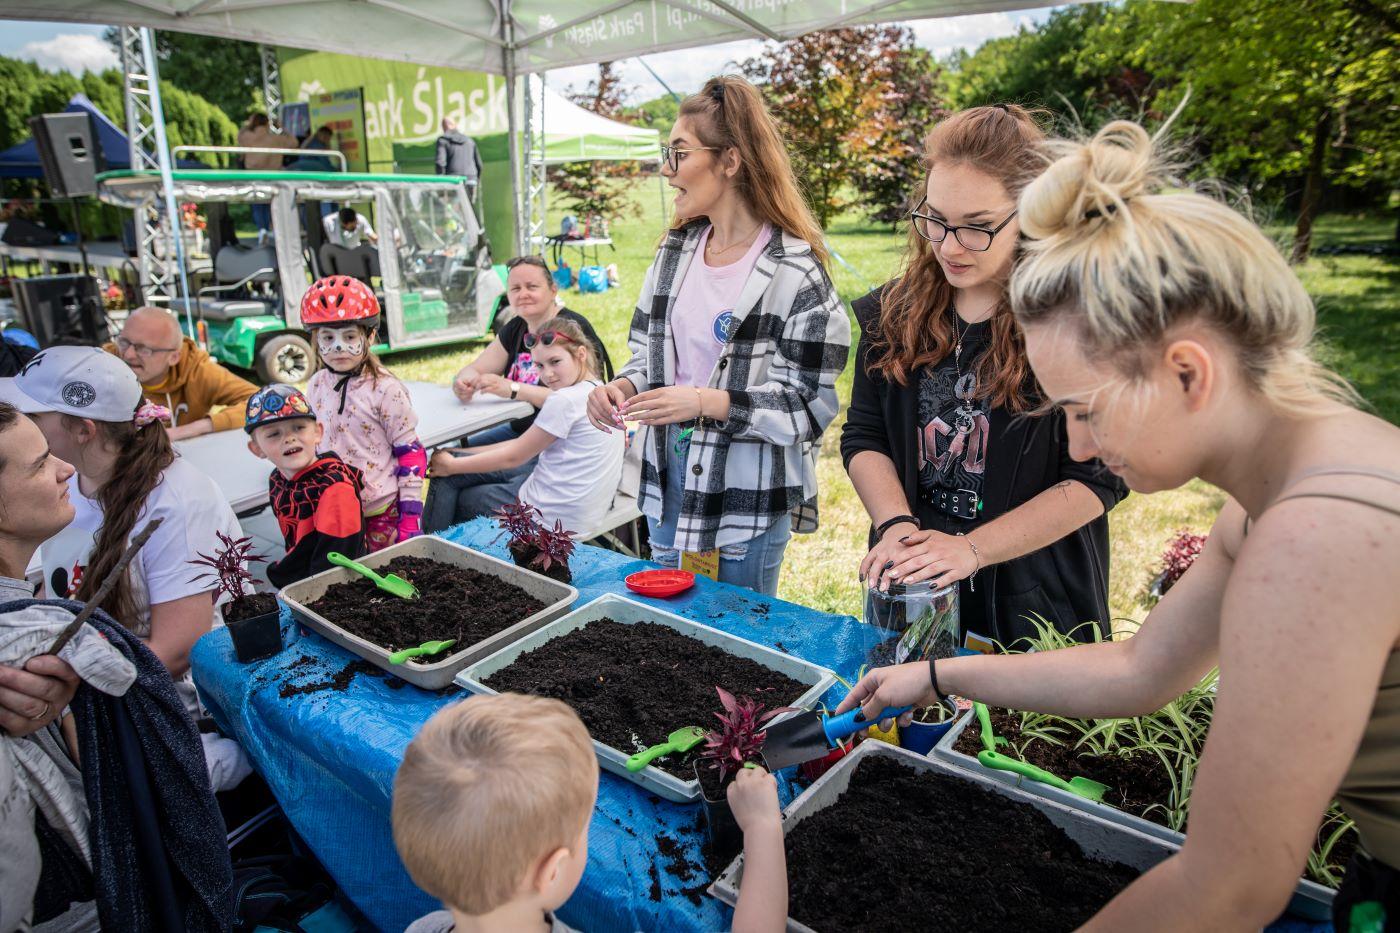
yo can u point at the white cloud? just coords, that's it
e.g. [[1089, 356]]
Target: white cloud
[[73, 52], [942, 36]]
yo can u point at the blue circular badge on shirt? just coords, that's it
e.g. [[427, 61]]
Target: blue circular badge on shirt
[[724, 323]]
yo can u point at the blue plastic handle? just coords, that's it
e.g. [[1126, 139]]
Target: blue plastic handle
[[851, 722]]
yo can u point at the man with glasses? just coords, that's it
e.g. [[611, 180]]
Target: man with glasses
[[176, 373]]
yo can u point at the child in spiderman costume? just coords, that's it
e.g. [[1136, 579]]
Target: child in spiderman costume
[[316, 497], [366, 412]]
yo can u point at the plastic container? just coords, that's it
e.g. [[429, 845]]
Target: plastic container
[[916, 622], [1098, 838], [921, 737], [256, 637], [1311, 901], [660, 584], [629, 612], [726, 838], [557, 598]]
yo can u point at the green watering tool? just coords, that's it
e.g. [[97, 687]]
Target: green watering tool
[[392, 583], [682, 740], [428, 647], [991, 758]]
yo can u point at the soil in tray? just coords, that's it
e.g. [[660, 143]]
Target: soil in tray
[[1135, 783], [453, 602], [985, 862], [250, 606], [632, 685]]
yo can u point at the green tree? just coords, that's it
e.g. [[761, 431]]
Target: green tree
[[894, 170], [656, 114], [225, 72], [599, 189]]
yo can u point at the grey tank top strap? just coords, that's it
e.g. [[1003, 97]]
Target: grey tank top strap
[[1374, 473]]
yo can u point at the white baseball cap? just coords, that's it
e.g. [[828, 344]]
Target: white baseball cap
[[87, 382]]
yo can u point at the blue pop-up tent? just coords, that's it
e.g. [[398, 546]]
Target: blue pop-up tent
[[22, 160]]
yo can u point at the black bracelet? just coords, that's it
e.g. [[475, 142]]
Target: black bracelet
[[898, 519], [933, 679]]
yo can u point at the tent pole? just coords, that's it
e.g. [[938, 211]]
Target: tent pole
[[513, 126], [167, 180]]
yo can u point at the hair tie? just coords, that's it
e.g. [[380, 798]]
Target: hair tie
[[717, 93], [150, 411], [1095, 212]]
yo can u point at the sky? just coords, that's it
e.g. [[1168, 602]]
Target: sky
[[74, 47]]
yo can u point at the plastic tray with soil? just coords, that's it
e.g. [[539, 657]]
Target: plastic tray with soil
[[1139, 789], [474, 598], [635, 673], [990, 857]]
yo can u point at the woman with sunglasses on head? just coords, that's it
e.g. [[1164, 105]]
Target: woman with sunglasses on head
[[576, 469], [737, 341], [964, 480], [506, 368]]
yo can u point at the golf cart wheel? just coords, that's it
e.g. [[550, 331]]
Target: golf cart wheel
[[285, 358]]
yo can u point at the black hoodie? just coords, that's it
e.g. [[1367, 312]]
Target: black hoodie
[[1066, 582], [457, 155]]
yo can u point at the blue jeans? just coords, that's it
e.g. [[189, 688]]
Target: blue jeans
[[752, 564], [455, 499], [262, 216]]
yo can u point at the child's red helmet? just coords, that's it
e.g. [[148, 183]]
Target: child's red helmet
[[338, 299]]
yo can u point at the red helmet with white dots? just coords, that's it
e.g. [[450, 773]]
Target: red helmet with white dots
[[337, 300]]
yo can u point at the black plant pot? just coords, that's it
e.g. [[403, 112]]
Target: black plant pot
[[726, 838], [256, 637]]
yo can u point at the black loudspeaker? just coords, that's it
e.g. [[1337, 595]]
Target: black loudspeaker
[[21, 232], [70, 152], [62, 309]]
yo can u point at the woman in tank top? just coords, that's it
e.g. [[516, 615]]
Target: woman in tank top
[[1176, 339]]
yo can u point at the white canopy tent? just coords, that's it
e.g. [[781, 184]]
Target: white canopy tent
[[506, 37]]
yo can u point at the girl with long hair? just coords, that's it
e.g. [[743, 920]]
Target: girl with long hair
[[576, 469], [964, 480], [737, 341], [1178, 341]]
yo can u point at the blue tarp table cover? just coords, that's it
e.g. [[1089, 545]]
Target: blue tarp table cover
[[330, 756]]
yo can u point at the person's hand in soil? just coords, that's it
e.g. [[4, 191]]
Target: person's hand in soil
[[443, 463], [492, 384], [897, 685], [763, 898], [875, 568], [932, 555], [35, 695], [604, 403]]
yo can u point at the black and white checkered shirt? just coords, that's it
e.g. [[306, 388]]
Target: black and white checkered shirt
[[789, 342]]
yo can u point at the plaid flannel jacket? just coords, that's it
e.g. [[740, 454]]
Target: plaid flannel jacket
[[789, 341]]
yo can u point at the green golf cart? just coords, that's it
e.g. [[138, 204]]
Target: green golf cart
[[430, 264]]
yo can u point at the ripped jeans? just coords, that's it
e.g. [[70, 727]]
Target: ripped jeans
[[753, 564]]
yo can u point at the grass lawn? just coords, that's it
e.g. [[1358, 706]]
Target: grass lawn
[[1358, 300]]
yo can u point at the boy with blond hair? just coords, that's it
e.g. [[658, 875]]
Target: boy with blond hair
[[491, 810]]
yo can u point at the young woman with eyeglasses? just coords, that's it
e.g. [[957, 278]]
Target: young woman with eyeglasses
[[576, 469], [507, 368], [737, 341], [965, 480]]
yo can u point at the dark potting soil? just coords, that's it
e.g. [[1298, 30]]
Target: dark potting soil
[[340, 681], [986, 862], [632, 685], [249, 606], [453, 602], [1135, 783]]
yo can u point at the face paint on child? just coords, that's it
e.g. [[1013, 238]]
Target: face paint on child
[[340, 346]]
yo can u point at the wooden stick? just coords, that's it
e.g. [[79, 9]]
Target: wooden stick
[[113, 576]]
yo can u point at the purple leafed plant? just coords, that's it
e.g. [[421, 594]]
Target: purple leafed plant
[[229, 566], [740, 736], [556, 545], [1180, 554], [520, 520]]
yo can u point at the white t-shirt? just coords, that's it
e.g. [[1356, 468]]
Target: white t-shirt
[[347, 238], [576, 476], [703, 315]]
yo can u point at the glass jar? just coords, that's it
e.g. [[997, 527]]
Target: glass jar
[[916, 622]]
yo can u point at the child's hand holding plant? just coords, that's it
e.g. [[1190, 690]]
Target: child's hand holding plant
[[763, 899], [753, 798]]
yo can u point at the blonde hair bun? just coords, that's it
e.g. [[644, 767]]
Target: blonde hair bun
[[1090, 181]]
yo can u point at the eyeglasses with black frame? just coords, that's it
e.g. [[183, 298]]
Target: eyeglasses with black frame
[[671, 155], [977, 239], [143, 351], [546, 338]]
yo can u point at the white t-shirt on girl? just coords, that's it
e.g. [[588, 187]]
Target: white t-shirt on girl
[[577, 475], [703, 315]]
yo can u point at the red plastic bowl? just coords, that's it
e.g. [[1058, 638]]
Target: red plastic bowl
[[660, 583]]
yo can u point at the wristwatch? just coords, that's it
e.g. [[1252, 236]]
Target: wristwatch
[[515, 390]]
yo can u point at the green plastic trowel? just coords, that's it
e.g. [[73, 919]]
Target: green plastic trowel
[[682, 740], [428, 647], [391, 583], [991, 758]]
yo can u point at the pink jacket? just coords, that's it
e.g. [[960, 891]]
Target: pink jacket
[[378, 417]]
